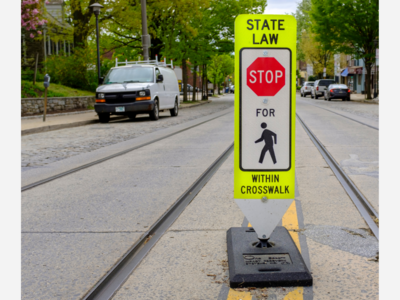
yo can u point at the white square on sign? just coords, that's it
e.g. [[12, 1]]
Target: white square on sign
[[265, 129]]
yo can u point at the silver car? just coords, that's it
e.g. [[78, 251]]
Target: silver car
[[320, 86], [306, 88]]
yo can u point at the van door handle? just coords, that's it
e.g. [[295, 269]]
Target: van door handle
[[164, 87]]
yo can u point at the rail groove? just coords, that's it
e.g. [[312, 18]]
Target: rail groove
[[363, 206], [116, 277], [43, 181], [354, 120]]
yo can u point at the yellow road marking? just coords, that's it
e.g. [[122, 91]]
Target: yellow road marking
[[290, 221], [297, 294], [235, 295]]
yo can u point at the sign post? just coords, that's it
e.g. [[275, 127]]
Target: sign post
[[264, 159], [46, 84]]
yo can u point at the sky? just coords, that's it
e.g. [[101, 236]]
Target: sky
[[280, 7]]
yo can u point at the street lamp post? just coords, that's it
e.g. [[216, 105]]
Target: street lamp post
[[96, 10]]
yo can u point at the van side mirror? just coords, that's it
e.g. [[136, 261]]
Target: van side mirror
[[101, 80], [160, 78]]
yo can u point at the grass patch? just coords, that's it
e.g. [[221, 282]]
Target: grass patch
[[28, 90]]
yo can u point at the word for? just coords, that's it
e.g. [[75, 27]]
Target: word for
[[269, 76], [265, 112], [266, 189]]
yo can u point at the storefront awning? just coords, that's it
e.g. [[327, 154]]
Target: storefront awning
[[352, 71], [345, 72]]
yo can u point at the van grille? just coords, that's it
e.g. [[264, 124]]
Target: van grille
[[119, 98]]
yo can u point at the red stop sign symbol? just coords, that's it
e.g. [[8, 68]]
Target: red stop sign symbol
[[265, 76]]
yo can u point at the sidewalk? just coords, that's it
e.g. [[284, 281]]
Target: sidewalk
[[35, 124]]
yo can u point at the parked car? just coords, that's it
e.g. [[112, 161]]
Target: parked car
[[340, 91], [136, 89], [189, 88], [306, 88], [320, 86]]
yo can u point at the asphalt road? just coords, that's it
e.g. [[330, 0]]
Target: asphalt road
[[75, 228]]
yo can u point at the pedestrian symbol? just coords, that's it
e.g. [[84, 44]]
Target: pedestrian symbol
[[267, 136]]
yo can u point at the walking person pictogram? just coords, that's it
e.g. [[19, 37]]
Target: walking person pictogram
[[269, 143]]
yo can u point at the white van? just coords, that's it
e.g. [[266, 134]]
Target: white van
[[136, 89]]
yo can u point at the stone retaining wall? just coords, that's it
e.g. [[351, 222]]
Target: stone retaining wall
[[36, 105]]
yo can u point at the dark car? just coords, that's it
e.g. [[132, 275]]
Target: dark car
[[337, 91]]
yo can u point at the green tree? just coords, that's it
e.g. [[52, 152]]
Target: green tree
[[303, 24], [316, 54], [348, 26]]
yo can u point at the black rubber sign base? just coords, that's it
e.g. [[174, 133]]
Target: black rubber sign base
[[279, 265]]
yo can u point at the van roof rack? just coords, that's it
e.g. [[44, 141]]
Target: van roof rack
[[147, 62]]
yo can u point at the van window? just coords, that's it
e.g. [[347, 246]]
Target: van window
[[131, 74]]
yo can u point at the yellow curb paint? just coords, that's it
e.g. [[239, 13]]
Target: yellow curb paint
[[290, 221], [235, 295], [297, 294]]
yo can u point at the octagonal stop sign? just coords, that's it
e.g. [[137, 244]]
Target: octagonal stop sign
[[265, 76]]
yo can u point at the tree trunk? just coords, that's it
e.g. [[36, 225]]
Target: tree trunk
[[184, 79], [368, 66], [194, 82], [214, 84], [204, 87], [205, 73]]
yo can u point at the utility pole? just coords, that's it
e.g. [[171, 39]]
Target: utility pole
[[145, 36]]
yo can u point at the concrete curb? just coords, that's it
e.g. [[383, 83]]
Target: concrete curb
[[82, 123], [62, 126]]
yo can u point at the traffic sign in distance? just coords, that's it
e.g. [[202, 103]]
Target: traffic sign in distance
[[265, 76]]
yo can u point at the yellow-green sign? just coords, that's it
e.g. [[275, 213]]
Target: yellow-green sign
[[265, 106]]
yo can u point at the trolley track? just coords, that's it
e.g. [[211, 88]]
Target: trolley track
[[84, 166], [363, 206], [107, 286], [354, 120]]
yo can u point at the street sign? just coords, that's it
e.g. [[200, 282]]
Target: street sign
[[265, 59], [264, 179]]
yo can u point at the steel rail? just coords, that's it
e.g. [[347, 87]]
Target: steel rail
[[362, 123], [116, 277], [43, 181], [363, 206]]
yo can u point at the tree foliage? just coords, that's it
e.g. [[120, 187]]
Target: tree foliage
[[348, 26], [303, 24], [32, 16], [316, 54]]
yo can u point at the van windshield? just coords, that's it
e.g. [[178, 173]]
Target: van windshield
[[126, 75]]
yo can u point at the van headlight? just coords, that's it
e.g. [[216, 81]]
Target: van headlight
[[100, 96], [142, 93]]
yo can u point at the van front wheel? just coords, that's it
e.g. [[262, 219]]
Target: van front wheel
[[154, 115], [104, 117], [174, 111]]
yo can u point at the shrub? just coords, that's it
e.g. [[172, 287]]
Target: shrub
[[77, 70]]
